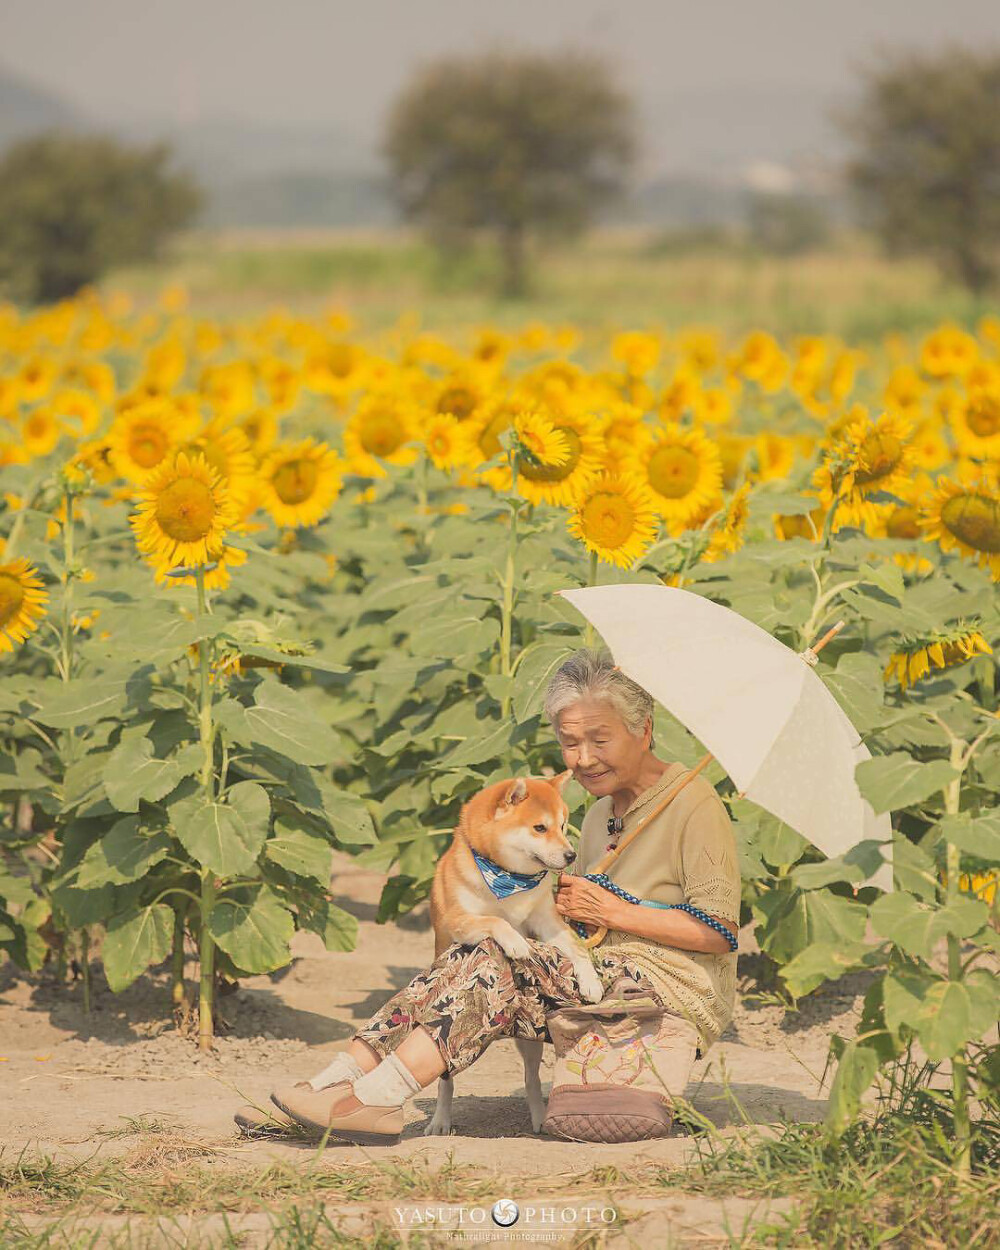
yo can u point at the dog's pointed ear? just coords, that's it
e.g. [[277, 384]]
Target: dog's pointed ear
[[561, 779], [516, 792]]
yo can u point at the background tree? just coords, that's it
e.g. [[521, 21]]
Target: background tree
[[786, 224], [71, 207], [928, 161], [513, 144]]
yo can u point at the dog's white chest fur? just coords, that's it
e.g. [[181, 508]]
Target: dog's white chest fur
[[515, 908]]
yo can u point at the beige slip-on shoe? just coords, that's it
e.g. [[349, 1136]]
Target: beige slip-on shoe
[[272, 1122], [316, 1111]]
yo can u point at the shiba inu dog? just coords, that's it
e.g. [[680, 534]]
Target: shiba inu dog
[[491, 883]]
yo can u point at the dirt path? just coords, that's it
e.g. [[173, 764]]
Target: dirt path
[[75, 1084]]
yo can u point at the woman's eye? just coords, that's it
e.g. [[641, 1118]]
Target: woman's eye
[[539, 828]]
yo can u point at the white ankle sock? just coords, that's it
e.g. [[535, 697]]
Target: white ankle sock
[[388, 1085], [343, 1067]]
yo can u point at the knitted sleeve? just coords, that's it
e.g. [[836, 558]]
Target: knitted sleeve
[[709, 861]]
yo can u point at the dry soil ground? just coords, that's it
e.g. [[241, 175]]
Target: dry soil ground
[[74, 1084]]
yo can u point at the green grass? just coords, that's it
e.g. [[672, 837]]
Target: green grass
[[610, 280]]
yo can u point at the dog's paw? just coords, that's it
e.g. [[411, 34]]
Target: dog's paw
[[514, 945], [590, 985], [440, 1126]]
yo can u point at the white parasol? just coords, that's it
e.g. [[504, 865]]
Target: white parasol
[[755, 704]]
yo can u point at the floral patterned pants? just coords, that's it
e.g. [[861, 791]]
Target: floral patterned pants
[[470, 996]]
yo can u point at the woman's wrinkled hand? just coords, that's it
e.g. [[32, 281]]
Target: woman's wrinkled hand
[[579, 899]]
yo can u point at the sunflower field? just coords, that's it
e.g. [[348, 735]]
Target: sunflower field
[[272, 587]]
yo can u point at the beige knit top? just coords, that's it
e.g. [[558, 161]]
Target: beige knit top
[[687, 853]]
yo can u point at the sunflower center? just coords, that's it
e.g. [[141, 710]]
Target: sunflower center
[[880, 454], [186, 510], [295, 481], [555, 472], [440, 444], [983, 417], [902, 523], [11, 598], [975, 520], [147, 445], [608, 520], [457, 401], [673, 471], [36, 426], [381, 433]]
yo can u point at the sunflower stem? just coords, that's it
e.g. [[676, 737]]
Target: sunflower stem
[[507, 610], [85, 967], [177, 987], [959, 1063], [588, 633], [206, 945]]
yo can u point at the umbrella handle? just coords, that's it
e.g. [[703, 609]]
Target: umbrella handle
[[600, 932], [811, 654]]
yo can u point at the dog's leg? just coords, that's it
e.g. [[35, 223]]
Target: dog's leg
[[440, 1125], [531, 1056], [548, 926]]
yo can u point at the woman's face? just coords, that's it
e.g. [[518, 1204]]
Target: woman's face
[[598, 747]]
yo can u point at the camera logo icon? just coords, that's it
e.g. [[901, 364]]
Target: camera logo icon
[[505, 1212]]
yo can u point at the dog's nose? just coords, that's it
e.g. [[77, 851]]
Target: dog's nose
[[569, 856]]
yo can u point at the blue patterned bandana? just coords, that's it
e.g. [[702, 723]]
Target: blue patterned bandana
[[503, 883]]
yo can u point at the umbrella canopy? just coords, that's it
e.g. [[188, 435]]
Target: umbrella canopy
[[755, 704]]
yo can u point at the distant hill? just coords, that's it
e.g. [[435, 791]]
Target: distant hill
[[26, 109], [705, 151]]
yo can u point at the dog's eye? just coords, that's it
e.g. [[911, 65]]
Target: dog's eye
[[540, 828]]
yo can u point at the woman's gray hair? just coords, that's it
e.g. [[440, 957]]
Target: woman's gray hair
[[590, 674]]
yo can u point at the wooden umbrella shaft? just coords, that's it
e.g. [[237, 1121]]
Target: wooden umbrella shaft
[[603, 865]]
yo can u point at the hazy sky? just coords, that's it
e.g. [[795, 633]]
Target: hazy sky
[[297, 60], [338, 62]]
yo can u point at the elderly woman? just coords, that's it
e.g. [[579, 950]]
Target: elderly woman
[[446, 1017]]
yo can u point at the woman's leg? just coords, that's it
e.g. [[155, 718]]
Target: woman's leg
[[468, 998]]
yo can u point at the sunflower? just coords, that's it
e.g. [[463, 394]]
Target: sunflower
[[79, 408], [929, 445], [901, 522], [22, 602], [459, 397], [865, 458], [228, 453], [976, 423], [540, 443], [142, 437], [446, 441], [300, 481], [229, 389], [638, 352], [774, 455], [616, 518], [683, 469], [494, 416], [261, 428], [183, 512], [40, 431], [800, 525], [948, 352], [729, 531], [938, 649], [965, 517], [379, 433], [35, 378], [560, 482]]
